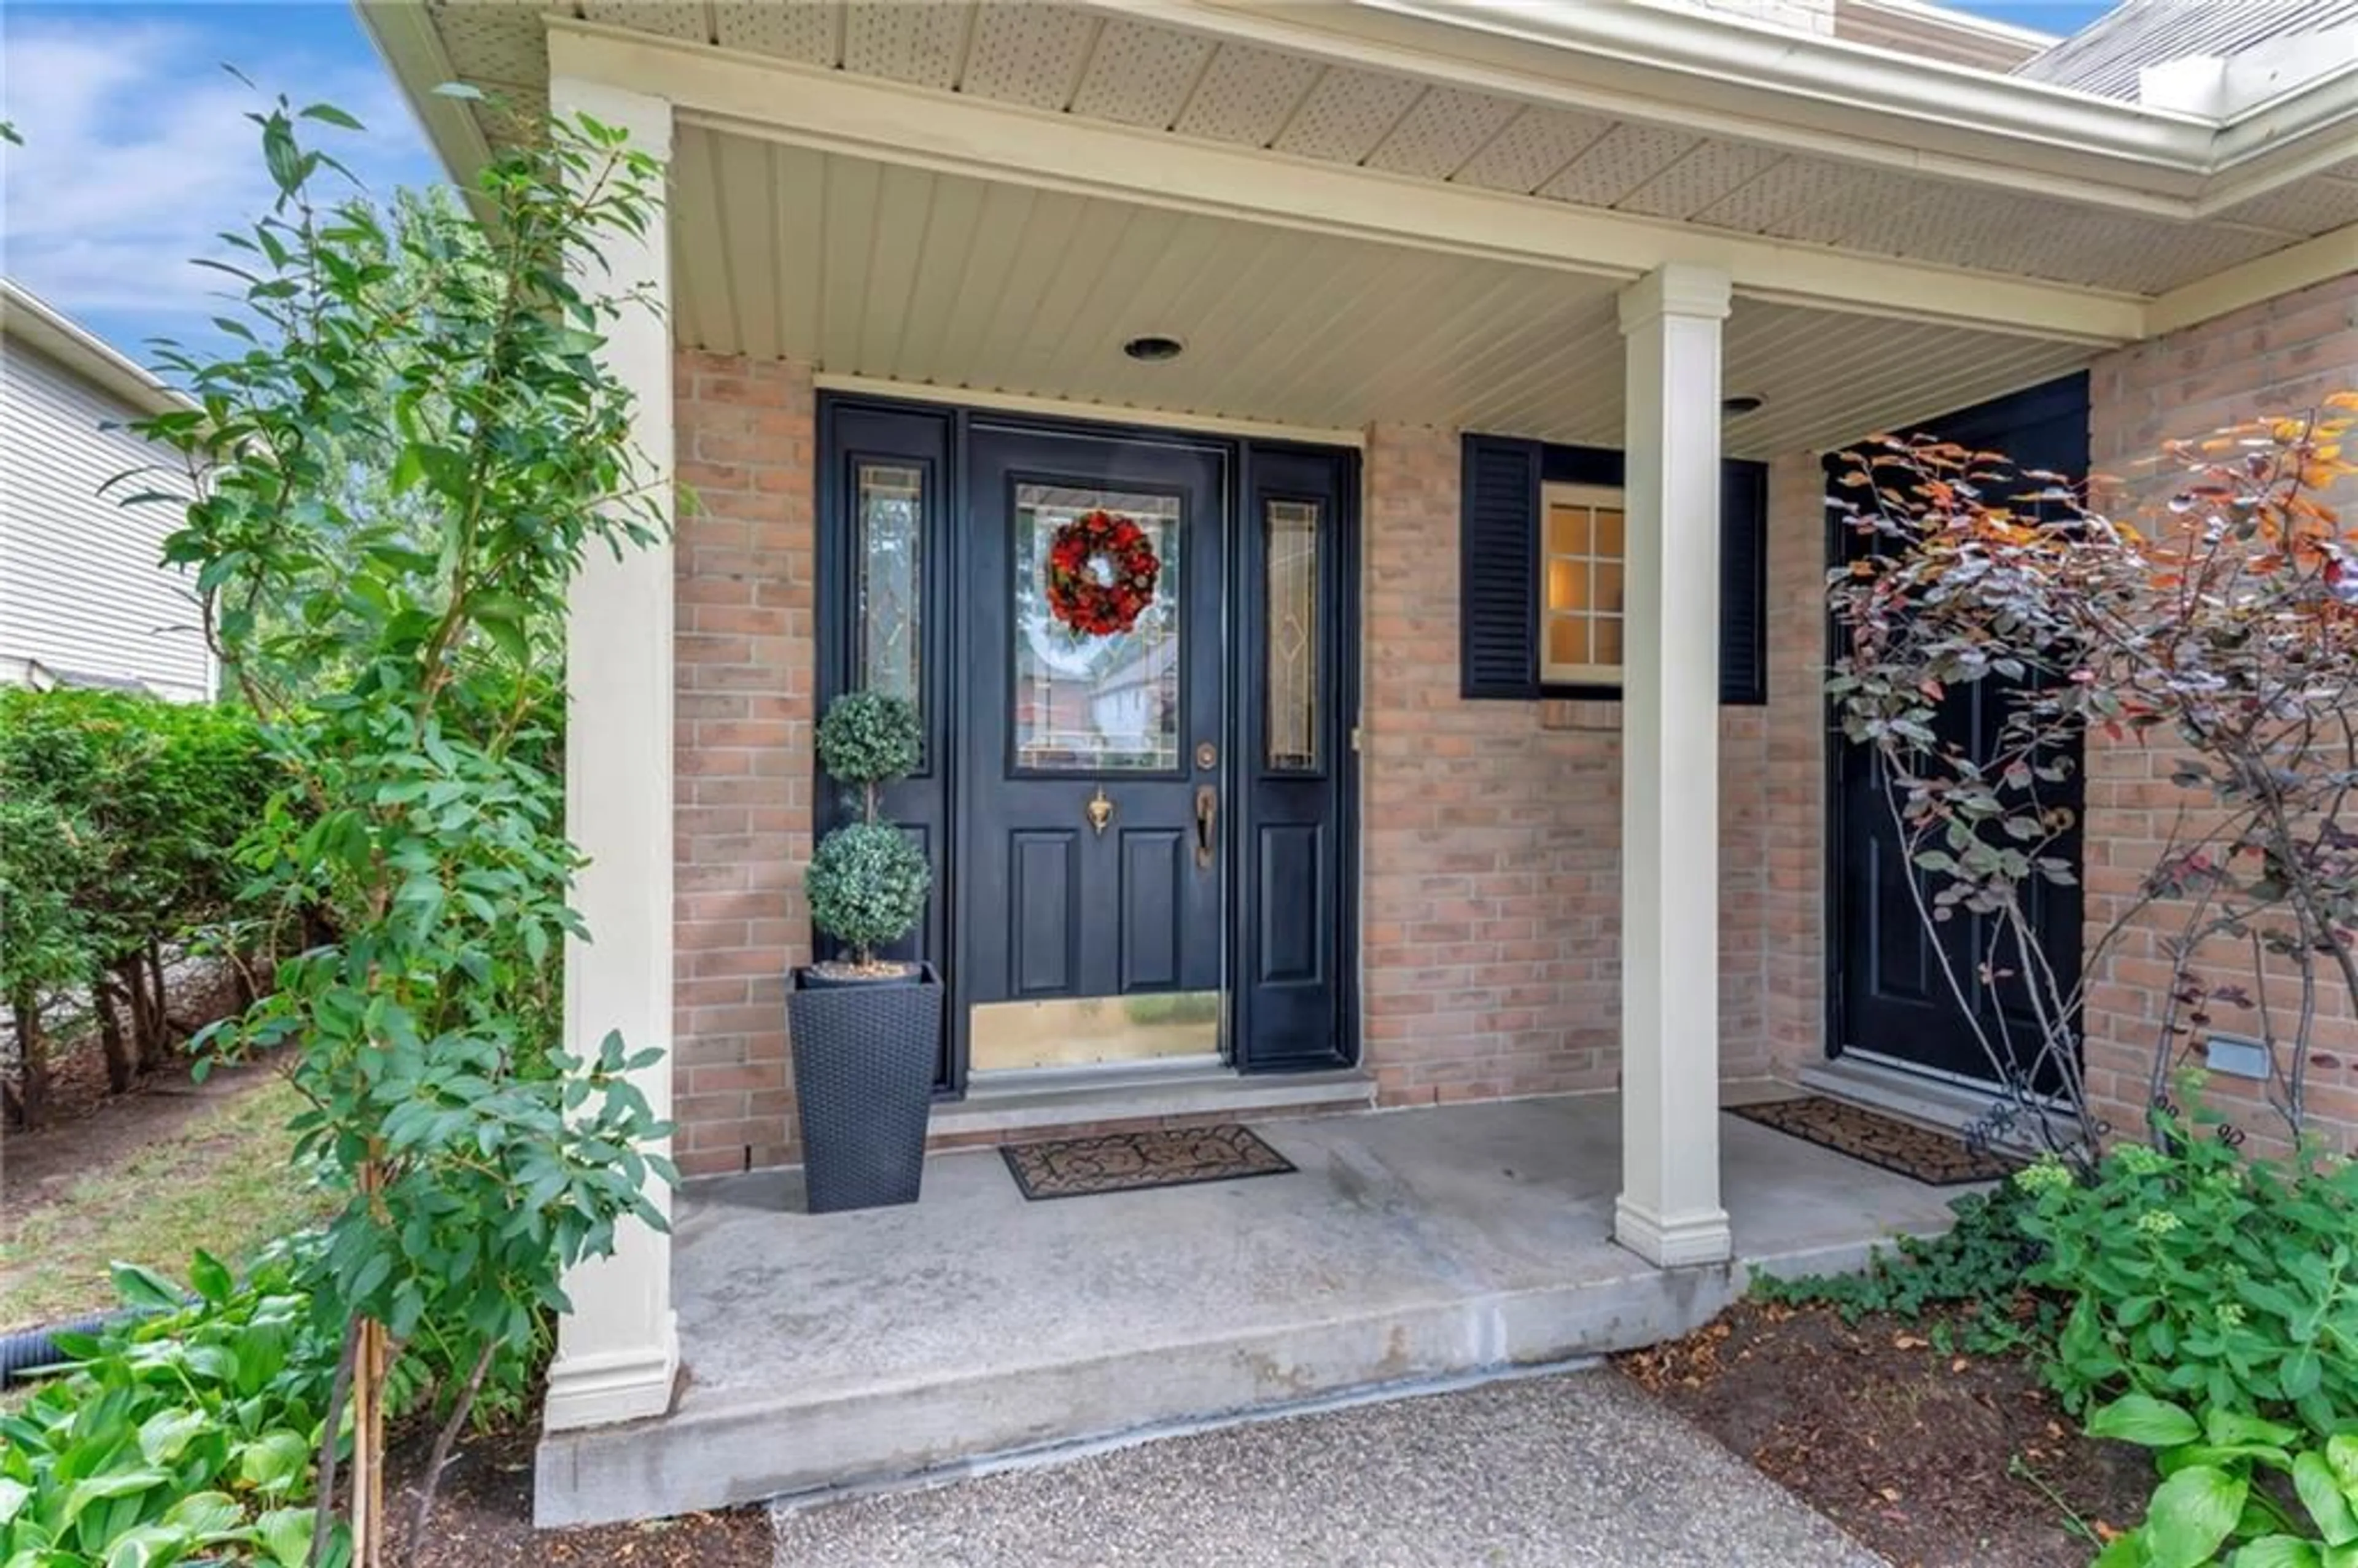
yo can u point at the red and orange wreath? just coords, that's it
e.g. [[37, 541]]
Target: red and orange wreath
[[1101, 572]]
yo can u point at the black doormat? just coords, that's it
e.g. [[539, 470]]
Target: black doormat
[[1936, 1158], [1124, 1162]]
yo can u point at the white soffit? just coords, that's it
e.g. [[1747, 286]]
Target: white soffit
[[872, 271], [1128, 70]]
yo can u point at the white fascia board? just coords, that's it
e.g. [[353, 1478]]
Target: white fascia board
[[32, 321], [2270, 276], [894, 123], [407, 39], [1726, 75]]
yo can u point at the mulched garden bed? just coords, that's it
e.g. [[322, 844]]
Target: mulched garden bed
[[482, 1518], [1927, 1457]]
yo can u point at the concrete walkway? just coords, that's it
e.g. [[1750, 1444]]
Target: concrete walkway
[[1579, 1468]]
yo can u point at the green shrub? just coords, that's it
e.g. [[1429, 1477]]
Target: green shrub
[[1978, 1266], [2197, 1274], [191, 1432], [123, 816], [867, 882]]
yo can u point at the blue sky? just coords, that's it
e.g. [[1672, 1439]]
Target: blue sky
[[136, 153]]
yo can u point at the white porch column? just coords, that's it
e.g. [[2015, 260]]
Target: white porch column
[[617, 1352], [1669, 1211]]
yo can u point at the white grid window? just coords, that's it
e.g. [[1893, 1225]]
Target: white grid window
[[1581, 563]]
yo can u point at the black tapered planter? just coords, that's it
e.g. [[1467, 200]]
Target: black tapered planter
[[864, 1053]]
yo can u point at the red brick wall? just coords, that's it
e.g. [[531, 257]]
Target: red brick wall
[[746, 657], [2280, 356], [1490, 889], [1793, 768]]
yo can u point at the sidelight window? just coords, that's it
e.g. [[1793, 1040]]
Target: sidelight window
[[892, 539], [1290, 637]]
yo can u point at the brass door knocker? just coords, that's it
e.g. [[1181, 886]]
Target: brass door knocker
[[1100, 811]]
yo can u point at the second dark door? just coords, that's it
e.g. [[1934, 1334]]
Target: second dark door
[[1892, 998]]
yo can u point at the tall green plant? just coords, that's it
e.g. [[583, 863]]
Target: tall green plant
[[398, 662]]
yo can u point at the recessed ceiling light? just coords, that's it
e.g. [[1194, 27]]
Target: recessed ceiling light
[[1741, 403], [1153, 348]]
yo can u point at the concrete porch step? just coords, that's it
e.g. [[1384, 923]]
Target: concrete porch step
[[856, 1349]]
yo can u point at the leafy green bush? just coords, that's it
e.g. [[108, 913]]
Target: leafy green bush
[[476, 1143], [2280, 1496], [867, 882], [188, 1433], [2195, 1272], [1978, 1267], [122, 814]]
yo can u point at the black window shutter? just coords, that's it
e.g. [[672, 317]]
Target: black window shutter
[[1499, 624], [1744, 584], [1497, 653]]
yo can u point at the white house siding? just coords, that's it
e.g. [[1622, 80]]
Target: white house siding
[[83, 591]]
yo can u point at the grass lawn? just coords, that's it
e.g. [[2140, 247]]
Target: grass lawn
[[223, 1179]]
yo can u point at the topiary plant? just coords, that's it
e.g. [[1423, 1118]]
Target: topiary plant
[[867, 882]]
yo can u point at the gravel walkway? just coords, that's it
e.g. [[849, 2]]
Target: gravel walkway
[[1580, 1468]]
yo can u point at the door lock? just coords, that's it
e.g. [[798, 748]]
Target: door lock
[[1207, 816]]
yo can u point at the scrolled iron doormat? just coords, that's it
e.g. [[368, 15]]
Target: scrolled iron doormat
[[1936, 1158], [1128, 1161]]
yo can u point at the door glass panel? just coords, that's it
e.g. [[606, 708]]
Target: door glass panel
[[892, 510], [1085, 701], [1291, 634]]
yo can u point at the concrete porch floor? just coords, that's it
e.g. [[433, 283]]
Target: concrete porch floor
[[1411, 1246]]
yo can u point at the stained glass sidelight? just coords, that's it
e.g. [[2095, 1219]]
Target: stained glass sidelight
[[892, 578], [1084, 703], [1290, 639]]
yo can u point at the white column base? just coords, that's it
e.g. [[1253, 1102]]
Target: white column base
[[1673, 1241], [623, 1385]]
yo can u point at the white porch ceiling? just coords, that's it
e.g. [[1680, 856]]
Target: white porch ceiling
[[1095, 64], [873, 270]]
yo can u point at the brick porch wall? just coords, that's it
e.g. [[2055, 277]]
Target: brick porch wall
[[1490, 890], [746, 652], [1489, 833], [2282, 355]]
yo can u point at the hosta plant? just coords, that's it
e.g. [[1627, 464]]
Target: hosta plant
[[2235, 1490], [188, 1433]]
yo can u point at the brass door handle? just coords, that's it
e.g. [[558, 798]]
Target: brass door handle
[[1207, 817]]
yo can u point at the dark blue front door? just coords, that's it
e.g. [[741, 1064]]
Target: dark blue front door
[[1141, 842], [1094, 762]]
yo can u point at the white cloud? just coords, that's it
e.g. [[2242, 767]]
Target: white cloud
[[137, 153]]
